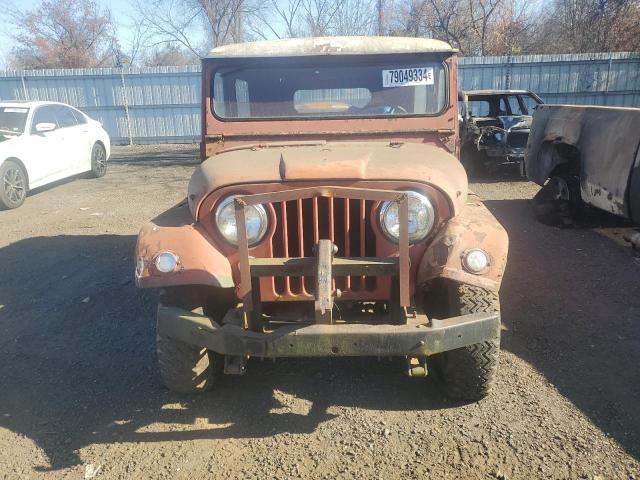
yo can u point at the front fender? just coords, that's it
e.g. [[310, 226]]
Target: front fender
[[474, 227], [199, 262]]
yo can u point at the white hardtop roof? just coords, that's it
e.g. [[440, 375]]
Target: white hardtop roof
[[296, 47]]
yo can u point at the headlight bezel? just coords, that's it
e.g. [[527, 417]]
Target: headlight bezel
[[228, 201], [427, 200]]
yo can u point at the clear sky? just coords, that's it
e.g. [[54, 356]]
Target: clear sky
[[121, 11]]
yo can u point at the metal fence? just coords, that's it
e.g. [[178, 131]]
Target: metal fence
[[162, 104], [587, 79]]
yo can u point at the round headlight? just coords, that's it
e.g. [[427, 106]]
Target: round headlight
[[255, 218], [421, 218]]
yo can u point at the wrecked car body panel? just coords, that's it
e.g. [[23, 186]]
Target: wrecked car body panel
[[603, 143], [496, 123]]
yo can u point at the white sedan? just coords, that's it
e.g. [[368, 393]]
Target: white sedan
[[42, 142]]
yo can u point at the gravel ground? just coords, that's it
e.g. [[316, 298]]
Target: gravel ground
[[79, 390]]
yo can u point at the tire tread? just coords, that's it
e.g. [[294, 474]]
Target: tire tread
[[468, 373], [186, 368]]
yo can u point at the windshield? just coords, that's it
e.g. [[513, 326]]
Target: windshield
[[330, 88], [12, 120], [500, 105]]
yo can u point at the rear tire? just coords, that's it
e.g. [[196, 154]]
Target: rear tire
[[187, 368], [559, 201], [98, 160], [468, 373], [13, 185]]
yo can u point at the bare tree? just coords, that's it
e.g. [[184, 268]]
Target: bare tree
[[481, 13], [592, 26], [223, 19], [135, 46], [186, 22], [447, 20], [63, 34], [169, 55], [275, 18], [513, 30], [169, 22], [318, 16], [356, 17], [450, 21]]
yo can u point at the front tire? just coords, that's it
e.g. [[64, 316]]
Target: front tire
[[468, 373], [187, 368], [13, 185], [98, 160]]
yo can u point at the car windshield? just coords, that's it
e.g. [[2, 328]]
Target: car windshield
[[501, 105], [337, 87], [12, 120]]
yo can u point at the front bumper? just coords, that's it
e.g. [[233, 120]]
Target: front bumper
[[418, 338]]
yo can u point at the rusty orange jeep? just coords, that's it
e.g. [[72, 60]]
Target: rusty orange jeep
[[330, 217]]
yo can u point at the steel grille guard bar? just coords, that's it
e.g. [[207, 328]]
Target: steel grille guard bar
[[324, 261]]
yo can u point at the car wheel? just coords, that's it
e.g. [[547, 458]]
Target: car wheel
[[98, 161], [187, 368], [13, 185], [467, 373], [559, 201]]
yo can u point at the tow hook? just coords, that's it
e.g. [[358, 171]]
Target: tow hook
[[417, 367], [235, 364]]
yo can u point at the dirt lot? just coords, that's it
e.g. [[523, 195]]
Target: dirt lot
[[79, 389]]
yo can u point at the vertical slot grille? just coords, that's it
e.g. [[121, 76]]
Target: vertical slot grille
[[301, 223]]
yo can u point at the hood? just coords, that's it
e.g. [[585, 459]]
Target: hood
[[7, 139], [324, 162]]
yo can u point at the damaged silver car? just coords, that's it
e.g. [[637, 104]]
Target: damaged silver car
[[494, 127]]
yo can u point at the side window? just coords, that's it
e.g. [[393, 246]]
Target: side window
[[504, 109], [479, 108], [45, 114], [515, 105], [65, 115], [80, 118], [529, 103]]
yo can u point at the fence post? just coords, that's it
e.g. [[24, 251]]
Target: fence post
[[125, 101], [606, 85], [507, 77], [24, 86]]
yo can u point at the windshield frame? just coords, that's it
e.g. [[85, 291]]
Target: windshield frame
[[26, 119], [479, 97], [335, 60]]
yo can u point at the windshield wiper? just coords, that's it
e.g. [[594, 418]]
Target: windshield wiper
[[10, 132]]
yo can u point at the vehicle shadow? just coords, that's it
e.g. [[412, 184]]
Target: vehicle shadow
[[77, 362], [182, 155], [498, 174], [570, 305], [57, 183]]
